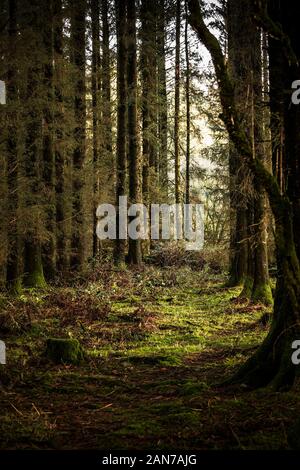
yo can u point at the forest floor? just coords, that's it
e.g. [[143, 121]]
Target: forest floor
[[157, 344]]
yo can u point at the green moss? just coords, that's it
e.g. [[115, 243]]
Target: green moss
[[33, 266], [120, 265], [150, 378], [263, 294], [190, 388], [149, 360], [247, 288], [35, 280], [234, 281], [64, 351]]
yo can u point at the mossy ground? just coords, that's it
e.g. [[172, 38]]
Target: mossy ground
[[157, 343]]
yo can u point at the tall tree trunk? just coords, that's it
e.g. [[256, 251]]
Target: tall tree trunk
[[277, 64], [177, 104], [49, 249], [135, 196], [149, 82], [78, 22], [261, 291], [33, 267], [289, 20], [4, 65], [121, 161], [244, 40], [13, 281], [162, 99], [95, 17], [188, 111], [239, 31], [149, 103], [106, 97], [59, 129]]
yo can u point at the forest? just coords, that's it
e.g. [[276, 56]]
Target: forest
[[150, 225]]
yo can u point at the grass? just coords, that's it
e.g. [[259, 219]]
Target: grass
[[157, 345]]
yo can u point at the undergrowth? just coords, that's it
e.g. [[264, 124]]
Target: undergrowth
[[157, 343]]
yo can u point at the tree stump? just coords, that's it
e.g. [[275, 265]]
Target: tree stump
[[64, 351]]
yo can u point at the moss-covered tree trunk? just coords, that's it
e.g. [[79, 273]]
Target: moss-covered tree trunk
[[33, 267], [247, 196], [271, 364]]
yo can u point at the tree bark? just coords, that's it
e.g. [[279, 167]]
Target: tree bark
[[49, 248], [162, 100], [121, 160], [33, 267], [95, 18], [135, 195], [188, 111], [62, 261], [13, 280], [239, 65], [149, 97], [78, 22], [177, 104], [106, 95], [261, 291]]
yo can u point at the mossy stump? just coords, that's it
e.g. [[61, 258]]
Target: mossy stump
[[263, 294], [64, 351]]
